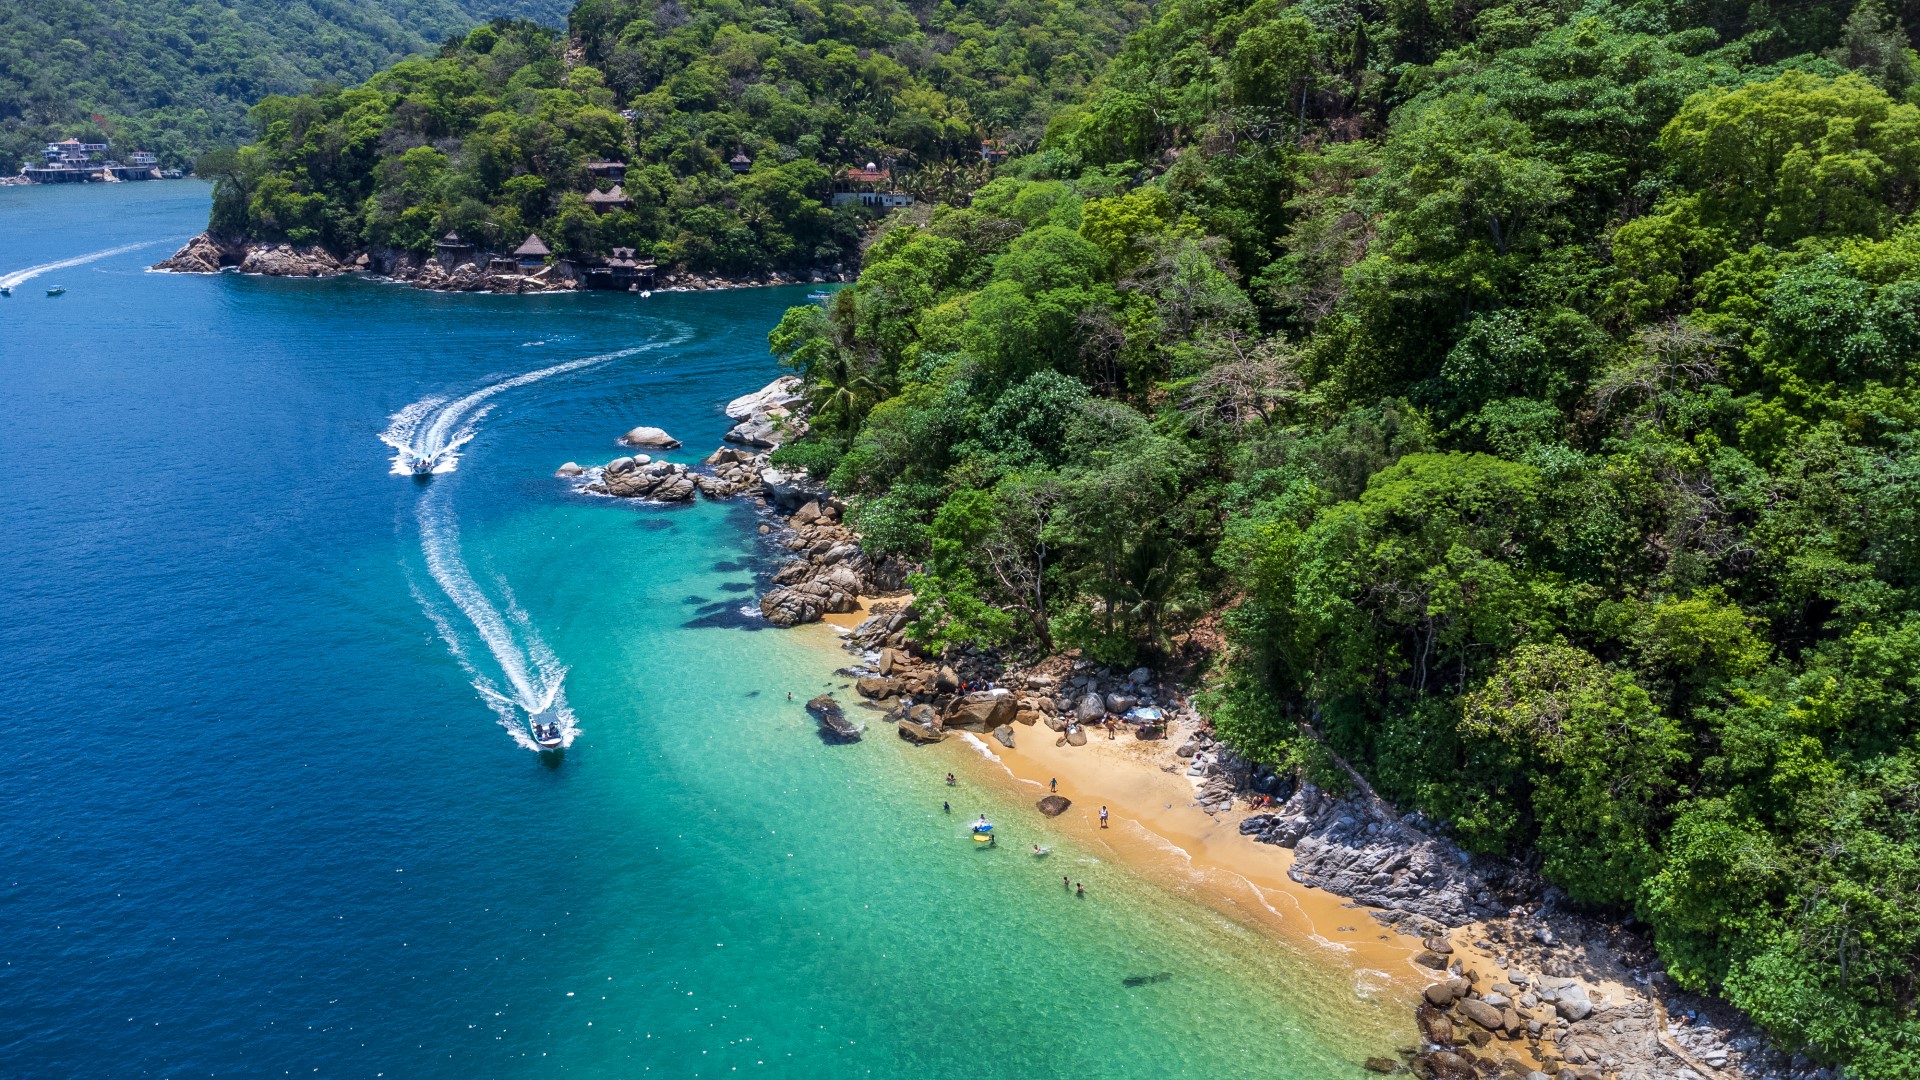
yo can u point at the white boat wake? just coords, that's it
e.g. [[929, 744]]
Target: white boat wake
[[21, 277], [426, 437], [533, 680]]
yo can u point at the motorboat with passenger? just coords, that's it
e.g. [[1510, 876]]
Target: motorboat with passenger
[[546, 731]]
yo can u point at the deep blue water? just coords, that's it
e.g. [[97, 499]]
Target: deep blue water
[[259, 820]]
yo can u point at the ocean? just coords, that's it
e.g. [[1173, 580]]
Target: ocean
[[270, 809]]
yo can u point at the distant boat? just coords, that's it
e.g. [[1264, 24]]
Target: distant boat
[[56, 290], [6, 290], [646, 294], [820, 296], [421, 466]]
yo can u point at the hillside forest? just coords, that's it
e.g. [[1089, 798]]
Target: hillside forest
[[491, 136], [1515, 402], [1524, 399], [178, 77]]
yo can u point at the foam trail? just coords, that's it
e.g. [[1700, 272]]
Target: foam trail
[[427, 435], [534, 679], [21, 277]]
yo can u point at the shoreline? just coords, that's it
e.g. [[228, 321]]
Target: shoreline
[[1158, 833], [206, 253]]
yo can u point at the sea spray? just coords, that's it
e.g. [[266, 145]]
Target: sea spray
[[17, 278]]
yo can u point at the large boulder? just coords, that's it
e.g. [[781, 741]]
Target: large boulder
[[916, 732], [875, 688], [768, 416], [571, 468], [834, 725], [983, 711], [649, 436], [1054, 805], [1483, 1014], [791, 607], [202, 255], [787, 491], [782, 392], [1005, 735], [1091, 707]]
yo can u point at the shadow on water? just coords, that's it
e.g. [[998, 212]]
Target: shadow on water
[[552, 759], [725, 616], [653, 524]]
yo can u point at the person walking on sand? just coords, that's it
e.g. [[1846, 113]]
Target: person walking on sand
[[1053, 785], [1103, 817]]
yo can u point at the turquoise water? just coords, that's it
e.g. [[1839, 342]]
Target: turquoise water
[[263, 816]]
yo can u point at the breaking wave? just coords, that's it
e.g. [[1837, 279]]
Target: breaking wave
[[21, 277]]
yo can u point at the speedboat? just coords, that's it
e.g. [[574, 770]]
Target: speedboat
[[421, 466], [819, 296], [56, 290], [546, 735], [6, 290]]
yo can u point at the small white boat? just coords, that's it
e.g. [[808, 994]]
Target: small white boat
[[545, 729], [421, 466], [57, 290], [646, 294]]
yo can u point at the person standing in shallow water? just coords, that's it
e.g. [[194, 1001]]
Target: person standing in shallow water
[[1079, 891], [1064, 883]]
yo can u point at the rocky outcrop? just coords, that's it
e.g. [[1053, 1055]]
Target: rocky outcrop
[[204, 254], [1054, 805], [834, 725], [829, 572], [651, 438], [789, 491], [285, 260], [1350, 847], [641, 477], [768, 416], [732, 472]]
